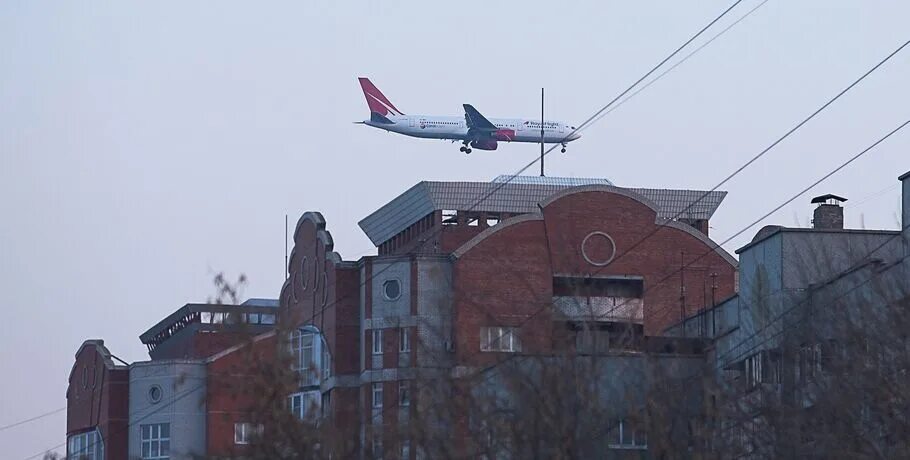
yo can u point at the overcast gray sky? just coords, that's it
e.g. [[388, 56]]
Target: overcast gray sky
[[146, 146]]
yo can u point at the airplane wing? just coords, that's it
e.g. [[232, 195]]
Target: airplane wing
[[477, 121]]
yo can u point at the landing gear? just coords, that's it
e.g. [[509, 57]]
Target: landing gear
[[465, 148], [563, 148]]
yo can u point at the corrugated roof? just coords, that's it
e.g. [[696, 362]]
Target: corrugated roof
[[518, 196], [563, 181]]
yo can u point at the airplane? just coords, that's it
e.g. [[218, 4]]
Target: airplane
[[473, 130]]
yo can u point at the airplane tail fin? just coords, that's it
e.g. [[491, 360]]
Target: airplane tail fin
[[377, 102]]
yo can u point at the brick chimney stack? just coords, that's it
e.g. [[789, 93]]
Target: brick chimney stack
[[829, 214]]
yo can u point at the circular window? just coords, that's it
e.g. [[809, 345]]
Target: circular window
[[304, 281], [391, 289], [598, 249], [155, 394]]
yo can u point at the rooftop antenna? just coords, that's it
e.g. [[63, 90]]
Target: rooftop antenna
[[285, 246], [541, 133]]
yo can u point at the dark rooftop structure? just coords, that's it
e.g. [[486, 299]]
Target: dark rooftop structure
[[508, 196], [187, 332]]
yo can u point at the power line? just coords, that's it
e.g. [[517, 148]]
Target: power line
[[129, 424], [23, 422], [678, 63], [730, 176], [838, 168], [510, 178], [766, 149], [785, 312], [794, 197]]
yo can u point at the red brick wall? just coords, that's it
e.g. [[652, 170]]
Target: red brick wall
[[507, 278], [103, 401], [338, 318], [642, 248], [234, 382]]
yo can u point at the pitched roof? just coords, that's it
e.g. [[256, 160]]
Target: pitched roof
[[518, 196]]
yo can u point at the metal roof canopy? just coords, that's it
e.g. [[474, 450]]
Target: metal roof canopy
[[518, 196], [826, 197]]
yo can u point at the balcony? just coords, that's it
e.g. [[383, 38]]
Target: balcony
[[606, 309]]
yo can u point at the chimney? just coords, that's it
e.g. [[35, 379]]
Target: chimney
[[829, 214]]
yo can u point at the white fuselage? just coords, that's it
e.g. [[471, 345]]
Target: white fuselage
[[455, 128]]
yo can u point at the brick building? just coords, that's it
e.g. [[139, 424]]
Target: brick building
[[469, 273], [182, 402]]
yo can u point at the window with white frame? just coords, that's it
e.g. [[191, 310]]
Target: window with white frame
[[404, 393], [305, 405], [85, 446], [500, 338], [155, 441], [244, 432], [763, 367], [404, 339], [326, 362], [310, 355], [626, 435], [449, 217], [302, 350], [377, 394], [753, 365], [377, 341]]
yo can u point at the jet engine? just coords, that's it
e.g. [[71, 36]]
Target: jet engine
[[489, 144]]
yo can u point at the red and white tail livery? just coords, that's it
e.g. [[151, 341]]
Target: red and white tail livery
[[473, 130]]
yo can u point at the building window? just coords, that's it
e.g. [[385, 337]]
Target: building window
[[763, 367], [391, 289], [405, 453], [404, 393], [155, 441], [244, 432], [155, 394], [377, 395], [305, 405], [85, 446], [449, 217], [377, 341], [267, 318], [326, 362], [302, 350], [809, 364], [499, 338], [626, 436], [404, 340], [492, 219]]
